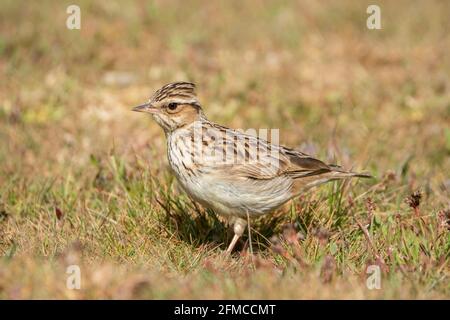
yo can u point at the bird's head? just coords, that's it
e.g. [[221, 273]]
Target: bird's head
[[173, 106]]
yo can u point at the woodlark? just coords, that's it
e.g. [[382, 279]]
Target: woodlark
[[238, 175]]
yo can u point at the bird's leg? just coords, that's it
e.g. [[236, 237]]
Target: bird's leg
[[238, 228]]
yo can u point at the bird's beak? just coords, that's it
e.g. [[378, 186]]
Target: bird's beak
[[146, 107]]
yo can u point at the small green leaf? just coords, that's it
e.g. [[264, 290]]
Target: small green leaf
[[11, 251], [333, 248]]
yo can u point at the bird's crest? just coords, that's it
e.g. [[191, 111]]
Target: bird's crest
[[183, 91]]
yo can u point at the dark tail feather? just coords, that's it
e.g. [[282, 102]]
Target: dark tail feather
[[307, 181], [361, 175], [337, 172]]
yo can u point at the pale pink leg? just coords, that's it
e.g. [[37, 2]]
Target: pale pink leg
[[238, 228]]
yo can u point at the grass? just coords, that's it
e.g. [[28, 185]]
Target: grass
[[84, 181]]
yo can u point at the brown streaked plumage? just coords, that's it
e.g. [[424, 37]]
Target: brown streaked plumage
[[236, 174]]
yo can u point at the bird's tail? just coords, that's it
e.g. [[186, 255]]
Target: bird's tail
[[318, 177], [337, 173]]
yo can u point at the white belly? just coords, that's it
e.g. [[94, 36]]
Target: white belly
[[223, 194], [237, 198]]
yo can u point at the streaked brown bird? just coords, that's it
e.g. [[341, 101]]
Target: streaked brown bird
[[238, 175]]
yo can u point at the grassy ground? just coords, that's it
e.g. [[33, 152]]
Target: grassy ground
[[85, 181]]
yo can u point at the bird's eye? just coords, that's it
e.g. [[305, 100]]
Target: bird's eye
[[172, 106]]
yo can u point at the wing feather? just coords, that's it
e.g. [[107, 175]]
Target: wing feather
[[257, 159]]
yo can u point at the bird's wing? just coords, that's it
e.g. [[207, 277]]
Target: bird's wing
[[300, 164], [254, 158]]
